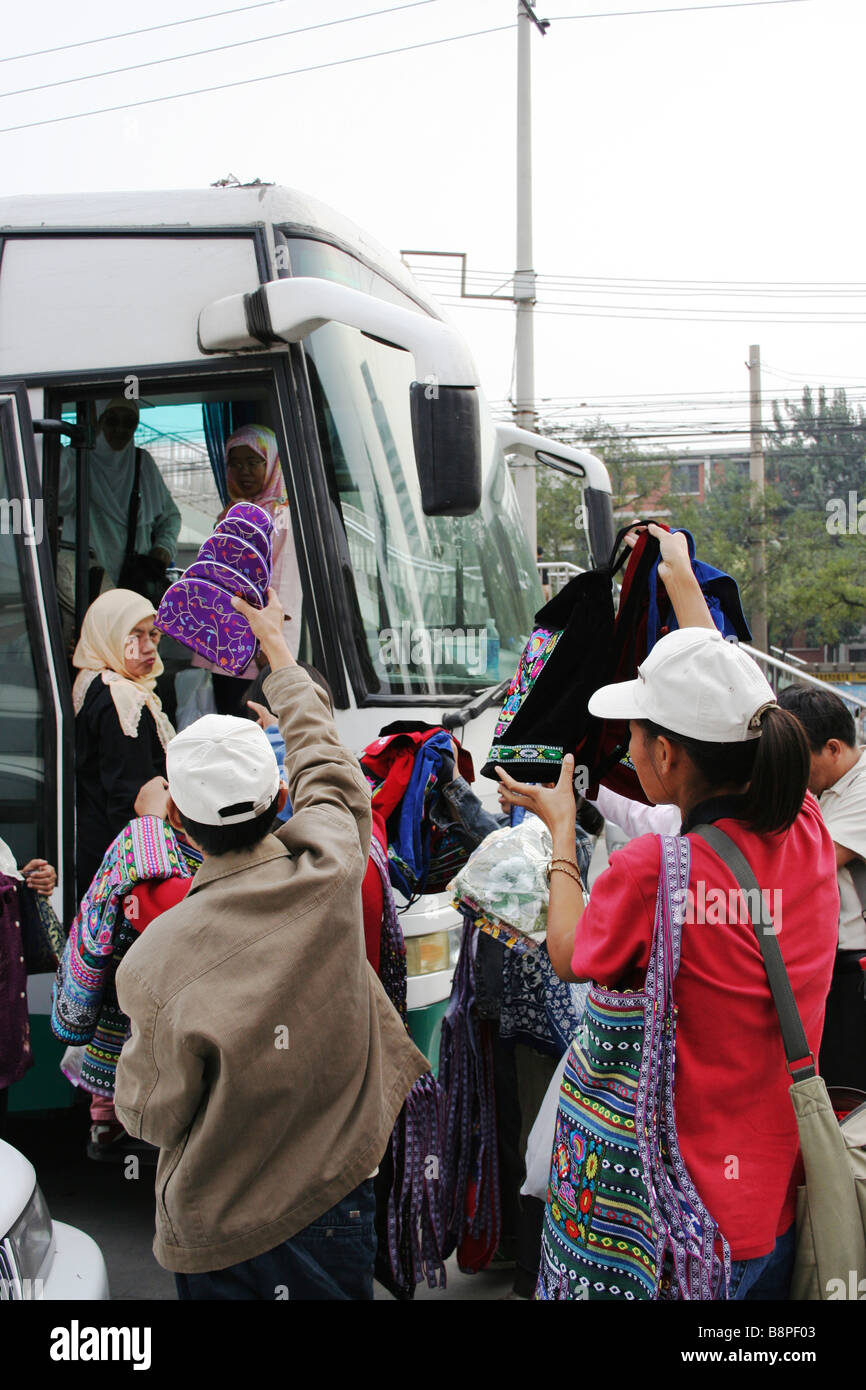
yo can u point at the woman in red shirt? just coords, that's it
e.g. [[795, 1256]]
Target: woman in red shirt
[[708, 737]]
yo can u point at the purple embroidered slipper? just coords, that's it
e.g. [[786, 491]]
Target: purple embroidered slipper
[[200, 616], [238, 555], [248, 511], [232, 581], [246, 531]]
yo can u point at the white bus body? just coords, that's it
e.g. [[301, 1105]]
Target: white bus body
[[211, 308]]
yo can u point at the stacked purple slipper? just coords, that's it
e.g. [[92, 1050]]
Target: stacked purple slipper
[[197, 609]]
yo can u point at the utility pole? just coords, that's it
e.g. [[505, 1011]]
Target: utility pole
[[524, 275], [523, 293], [756, 480]]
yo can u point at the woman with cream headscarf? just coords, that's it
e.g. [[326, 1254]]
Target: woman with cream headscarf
[[121, 732], [254, 474]]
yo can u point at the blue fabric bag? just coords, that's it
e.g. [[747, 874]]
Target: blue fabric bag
[[719, 590]]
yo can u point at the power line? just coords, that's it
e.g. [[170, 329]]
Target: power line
[[443, 285], [660, 289], [645, 404], [676, 396], [679, 9], [132, 33], [220, 48], [251, 81], [594, 312], [626, 280]]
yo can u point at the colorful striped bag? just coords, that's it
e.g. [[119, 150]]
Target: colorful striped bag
[[623, 1218]]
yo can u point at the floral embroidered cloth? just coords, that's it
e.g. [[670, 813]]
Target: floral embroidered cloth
[[145, 849]]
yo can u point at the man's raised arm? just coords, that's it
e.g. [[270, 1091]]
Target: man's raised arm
[[321, 772]]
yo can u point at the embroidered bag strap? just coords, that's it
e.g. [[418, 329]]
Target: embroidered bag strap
[[392, 951], [684, 1227]]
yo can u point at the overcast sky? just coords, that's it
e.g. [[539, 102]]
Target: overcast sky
[[716, 145]]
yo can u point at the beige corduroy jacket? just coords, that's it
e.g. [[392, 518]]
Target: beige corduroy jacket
[[265, 1060]]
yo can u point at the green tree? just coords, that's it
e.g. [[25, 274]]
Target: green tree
[[634, 478], [816, 449], [816, 452], [816, 583]]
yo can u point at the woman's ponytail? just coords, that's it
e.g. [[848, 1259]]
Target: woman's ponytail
[[780, 774], [775, 766]]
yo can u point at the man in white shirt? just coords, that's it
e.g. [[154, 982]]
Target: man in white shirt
[[838, 779]]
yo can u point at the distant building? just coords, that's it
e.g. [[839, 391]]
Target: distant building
[[691, 476]]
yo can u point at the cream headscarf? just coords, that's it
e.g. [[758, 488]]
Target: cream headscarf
[[107, 623]]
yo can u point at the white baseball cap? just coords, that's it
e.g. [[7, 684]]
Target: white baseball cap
[[222, 770], [694, 683]]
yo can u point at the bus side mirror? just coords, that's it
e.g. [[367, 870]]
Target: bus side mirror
[[446, 427], [446, 432]]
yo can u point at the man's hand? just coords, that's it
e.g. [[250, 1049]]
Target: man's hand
[[152, 799], [40, 876], [263, 715], [267, 627], [159, 552]]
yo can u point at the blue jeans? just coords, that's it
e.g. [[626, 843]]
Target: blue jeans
[[332, 1258], [767, 1277]]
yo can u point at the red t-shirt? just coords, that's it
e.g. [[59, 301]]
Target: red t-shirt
[[735, 1122], [149, 899], [372, 898]]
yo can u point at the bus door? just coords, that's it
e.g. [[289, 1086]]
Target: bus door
[[173, 435], [35, 768]]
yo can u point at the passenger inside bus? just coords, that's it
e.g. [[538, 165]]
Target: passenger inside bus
[[254, 474], [112, 474]]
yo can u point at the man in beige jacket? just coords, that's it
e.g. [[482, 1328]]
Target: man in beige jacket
[[265, 1060]]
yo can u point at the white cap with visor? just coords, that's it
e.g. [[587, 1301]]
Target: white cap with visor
[[221, 770], [694, 683]]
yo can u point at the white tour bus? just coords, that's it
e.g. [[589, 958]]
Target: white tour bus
[[224, 307]]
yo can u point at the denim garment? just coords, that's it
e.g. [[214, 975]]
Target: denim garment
[[767, 1277], [330, 1259]]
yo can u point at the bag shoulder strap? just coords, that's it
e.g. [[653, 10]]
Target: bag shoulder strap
[[134, 504], [793, 1033]]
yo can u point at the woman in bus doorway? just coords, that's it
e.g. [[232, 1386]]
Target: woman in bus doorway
[[254, 474], [121, 732]]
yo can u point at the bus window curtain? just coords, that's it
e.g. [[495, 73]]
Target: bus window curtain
[[217, 418]]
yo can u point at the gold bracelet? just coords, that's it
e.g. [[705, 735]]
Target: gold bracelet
[[571, 862], [562, 869]]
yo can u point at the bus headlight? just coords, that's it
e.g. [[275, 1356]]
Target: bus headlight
[[435, 951], [30, 1238]]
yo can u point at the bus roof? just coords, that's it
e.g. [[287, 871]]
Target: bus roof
[[249, 206]]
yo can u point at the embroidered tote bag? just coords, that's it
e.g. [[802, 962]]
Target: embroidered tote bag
[[566, 658], [623, 1218], [579, 645]]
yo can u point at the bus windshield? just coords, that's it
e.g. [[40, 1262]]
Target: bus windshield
[[444, 603]]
